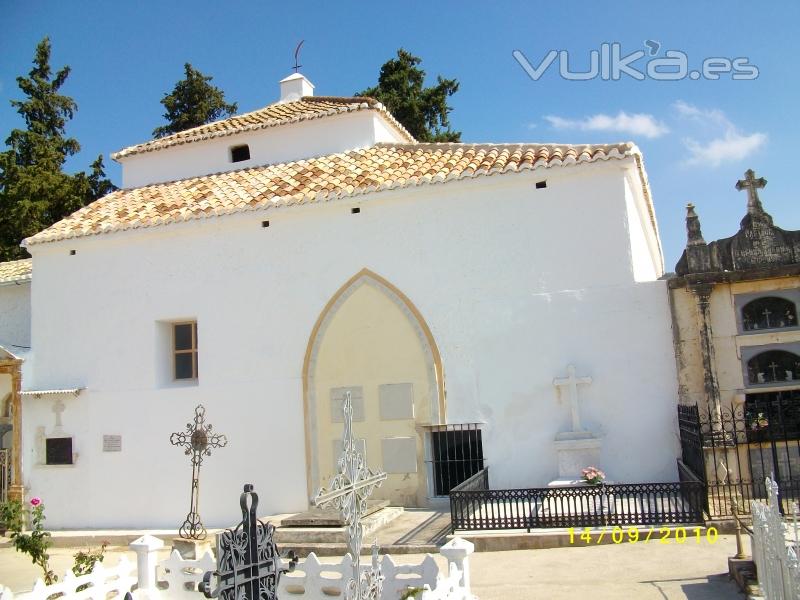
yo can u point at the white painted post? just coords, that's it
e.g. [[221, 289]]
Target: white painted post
[[457, 552], [146, 548]]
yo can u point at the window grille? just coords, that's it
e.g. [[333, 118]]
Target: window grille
[[456, 454]]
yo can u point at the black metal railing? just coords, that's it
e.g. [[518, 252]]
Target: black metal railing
[[734, 449], [628, 504], [691, 439]]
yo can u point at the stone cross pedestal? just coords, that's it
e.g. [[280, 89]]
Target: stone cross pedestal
[[578, 448]]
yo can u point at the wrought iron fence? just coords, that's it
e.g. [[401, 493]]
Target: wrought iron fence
[[5, 473], [734, 449], [478, 508]]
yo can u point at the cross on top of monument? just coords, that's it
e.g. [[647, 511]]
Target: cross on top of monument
[[571, 383], [752, 185]]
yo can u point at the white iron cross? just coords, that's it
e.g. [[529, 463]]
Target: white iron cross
[[349, 490], [571, 382]]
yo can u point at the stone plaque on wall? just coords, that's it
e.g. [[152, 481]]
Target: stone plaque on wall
[[337, 403], [396, 401], [112, 443], [399, 454], [361, 446]]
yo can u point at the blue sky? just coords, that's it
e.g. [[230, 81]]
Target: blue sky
[[698, 137]]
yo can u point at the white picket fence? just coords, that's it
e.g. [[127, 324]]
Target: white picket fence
[[315, 580], [776, 560], [101, 583], [176, 578]]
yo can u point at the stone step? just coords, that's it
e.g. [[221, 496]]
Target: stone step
[[327, 549], [519, 539], [328, 535]]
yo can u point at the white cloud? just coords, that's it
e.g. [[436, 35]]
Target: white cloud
[[637, 124], [727, 142]]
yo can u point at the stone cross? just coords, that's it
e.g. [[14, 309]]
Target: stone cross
[[197, 441], [58, 409], [571, 382], [752, 185], [349, 490]]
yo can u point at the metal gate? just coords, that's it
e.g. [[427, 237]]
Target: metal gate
[[735, 449]]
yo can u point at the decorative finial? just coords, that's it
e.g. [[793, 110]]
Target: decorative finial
[[694, 236], [297, 64], [752, 185]]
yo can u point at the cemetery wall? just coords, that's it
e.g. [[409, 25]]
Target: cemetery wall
[[732, 346], [514, 282]]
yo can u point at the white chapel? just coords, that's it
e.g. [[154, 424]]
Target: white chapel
[[485, 305]]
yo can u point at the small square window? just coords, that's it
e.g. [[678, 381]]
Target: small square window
[[240, 153], [184, 349], [58, 451]]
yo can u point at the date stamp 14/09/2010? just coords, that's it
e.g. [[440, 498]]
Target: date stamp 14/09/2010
[[633, 535]]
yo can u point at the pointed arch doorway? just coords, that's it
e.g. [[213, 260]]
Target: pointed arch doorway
[[372, 341]]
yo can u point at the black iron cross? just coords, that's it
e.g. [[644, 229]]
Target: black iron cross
[[752, 185], [198, 440], [248, 563]]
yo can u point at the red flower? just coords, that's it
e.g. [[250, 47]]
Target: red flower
[[36, 501]]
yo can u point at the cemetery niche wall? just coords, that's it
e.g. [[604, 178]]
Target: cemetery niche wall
[[734, 303]]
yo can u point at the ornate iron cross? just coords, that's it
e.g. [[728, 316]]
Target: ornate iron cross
[[349, 490], [198, 440], [248, 563]]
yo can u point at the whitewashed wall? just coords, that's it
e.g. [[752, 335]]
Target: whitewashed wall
[[15, 316], [316, 137], [514, 283]]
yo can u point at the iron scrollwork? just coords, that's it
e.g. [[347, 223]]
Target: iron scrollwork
[[249, 565], [198, 440]]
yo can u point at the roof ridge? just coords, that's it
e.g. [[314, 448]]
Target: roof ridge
[[217, 129], [631, 146]]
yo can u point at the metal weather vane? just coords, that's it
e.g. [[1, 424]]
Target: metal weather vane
[[198, 441], [297, 64], [349, 490]]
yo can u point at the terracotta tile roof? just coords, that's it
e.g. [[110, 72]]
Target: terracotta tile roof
[[15, 270], [380, 167], [307, 108]]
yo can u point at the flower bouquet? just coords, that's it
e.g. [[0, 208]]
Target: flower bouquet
[[593, 475]]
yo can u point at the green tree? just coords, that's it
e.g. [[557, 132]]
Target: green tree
[[424, 111], [34, 190], [99, 184], [193, 102]]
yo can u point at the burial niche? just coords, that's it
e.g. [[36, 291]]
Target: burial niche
[[773, 366], [770, 312]]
